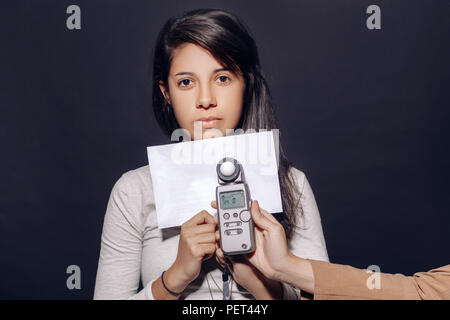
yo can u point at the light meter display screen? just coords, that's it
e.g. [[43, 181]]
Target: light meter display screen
[[232, 199]]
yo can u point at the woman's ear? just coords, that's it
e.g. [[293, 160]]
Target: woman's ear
[[164, 91]]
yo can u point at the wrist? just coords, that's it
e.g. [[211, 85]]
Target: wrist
[[285, 267], [274, 289], [297, 272], [263, 288], [175, 279]]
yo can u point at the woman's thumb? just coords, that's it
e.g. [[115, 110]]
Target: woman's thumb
[[261, 221]]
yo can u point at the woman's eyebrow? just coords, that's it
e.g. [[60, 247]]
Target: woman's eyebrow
[[192, 74], [184, 73], [222, 69]]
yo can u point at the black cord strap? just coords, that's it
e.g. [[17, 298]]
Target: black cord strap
[[168, 290]]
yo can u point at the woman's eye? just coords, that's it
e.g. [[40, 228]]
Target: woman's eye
[[184, 82], [223, 79]]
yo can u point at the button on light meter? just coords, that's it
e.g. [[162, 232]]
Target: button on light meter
[[245, 216]]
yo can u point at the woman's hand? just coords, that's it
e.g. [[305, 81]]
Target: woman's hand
[[245, 274], [271, 254], [197, 243]]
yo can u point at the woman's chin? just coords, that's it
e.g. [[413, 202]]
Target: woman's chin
[[212, 133]]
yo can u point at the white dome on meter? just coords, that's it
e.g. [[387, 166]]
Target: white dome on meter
[[227, 168]]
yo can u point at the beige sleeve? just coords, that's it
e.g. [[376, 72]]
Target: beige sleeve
[[334, 281]]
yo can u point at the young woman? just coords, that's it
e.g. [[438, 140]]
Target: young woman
[[205, 71]]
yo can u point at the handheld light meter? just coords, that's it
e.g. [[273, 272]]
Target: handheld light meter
[[237, 234]]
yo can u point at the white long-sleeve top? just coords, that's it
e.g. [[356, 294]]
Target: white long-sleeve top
[[134, 249]]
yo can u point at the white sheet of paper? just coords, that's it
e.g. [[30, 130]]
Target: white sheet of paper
[[184, 174]]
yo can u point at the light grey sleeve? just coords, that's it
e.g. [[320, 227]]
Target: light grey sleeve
[[307, 240], [119, 266]]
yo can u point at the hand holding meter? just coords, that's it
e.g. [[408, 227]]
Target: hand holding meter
[[233, 209]]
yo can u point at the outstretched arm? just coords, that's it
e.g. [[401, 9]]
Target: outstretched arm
[[333, 281]]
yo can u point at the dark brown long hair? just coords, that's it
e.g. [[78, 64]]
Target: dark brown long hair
[[229, 41]]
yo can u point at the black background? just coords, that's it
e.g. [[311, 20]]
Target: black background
[[363, 113]]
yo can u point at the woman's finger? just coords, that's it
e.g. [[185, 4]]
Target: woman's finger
[[204, 228], [206, 250], [217, 235], [220, 256], [206, 238], [269, 216], [200, 218], [219, 253], [259, 236], [260, 220], [213, 204]]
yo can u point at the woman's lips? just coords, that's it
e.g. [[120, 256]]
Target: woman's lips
[[209, 122]]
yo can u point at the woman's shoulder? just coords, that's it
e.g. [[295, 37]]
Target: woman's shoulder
[[298, 176], [133, 193], [131, 202], [136, 181]]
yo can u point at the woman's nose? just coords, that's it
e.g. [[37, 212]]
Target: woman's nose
[[206, 98]]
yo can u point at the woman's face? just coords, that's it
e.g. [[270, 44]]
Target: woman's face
[[199, 87]]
